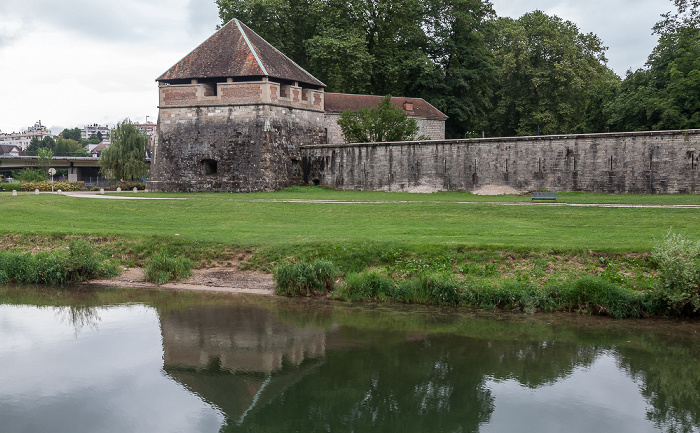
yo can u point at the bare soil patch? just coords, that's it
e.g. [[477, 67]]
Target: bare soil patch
[[496, 190], [218, 279]]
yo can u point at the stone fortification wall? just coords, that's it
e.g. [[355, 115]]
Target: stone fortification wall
[[239, 148], [635, 162]]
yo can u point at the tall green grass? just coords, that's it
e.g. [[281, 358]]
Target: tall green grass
[[305, 279], [161, 268], [78, 262]]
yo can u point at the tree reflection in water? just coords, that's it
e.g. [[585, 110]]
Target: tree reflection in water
[[268, 374]]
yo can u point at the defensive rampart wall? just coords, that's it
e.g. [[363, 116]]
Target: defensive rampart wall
[[632, 162]]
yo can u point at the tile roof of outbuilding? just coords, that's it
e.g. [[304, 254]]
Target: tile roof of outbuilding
[[339, 102], [237, 51]]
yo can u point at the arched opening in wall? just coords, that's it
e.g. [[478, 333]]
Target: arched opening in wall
[[316, 182], [209, 167]]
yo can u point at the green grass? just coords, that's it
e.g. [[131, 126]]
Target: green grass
[[391, 219]]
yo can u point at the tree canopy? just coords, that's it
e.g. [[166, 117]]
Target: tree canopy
[[434, 49], [545, 69], [125, 157], [382, 123], [502, 76]]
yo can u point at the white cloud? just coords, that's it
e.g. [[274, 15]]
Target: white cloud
[[78, 62]]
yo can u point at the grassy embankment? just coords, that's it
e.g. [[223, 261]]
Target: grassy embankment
[[520, 255]]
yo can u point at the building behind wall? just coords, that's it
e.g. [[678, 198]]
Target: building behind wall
[[430, 121]]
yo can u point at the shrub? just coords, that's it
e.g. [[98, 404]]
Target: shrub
[[678, 261], [79, 263], [46, 186], [303, 279], [367, 285], [160, 269], [82, 262], [601, 296], [128, 186], [443, 291], [30, 175]]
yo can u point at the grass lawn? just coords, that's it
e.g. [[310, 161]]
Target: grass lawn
[[450, 247], [450, 218]]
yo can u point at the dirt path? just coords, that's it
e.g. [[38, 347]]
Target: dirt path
[[219, 279]]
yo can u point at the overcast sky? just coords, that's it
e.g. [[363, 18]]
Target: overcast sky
[[70, 63]]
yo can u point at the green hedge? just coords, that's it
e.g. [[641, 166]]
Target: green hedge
[[46, 186]]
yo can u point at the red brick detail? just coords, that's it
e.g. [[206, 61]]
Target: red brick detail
[[179, 95], [242, 93]]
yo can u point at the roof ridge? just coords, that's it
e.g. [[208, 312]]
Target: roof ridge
[[279, 52], [250, 46]]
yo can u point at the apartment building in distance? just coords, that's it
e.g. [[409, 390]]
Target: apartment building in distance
[[93, 129], [22, 139]]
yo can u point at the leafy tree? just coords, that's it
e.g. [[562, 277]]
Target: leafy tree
[[125, 157], [30, 175], [70, 147], [460, 83], [665, 93], [36, 144], [72, 134], [545, 67], [44, 161], [383, 123]]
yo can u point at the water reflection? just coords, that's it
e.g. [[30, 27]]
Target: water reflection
[[237, 357], [281, 365], [282, 377]]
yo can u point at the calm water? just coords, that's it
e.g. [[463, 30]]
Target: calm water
[[111, 361]]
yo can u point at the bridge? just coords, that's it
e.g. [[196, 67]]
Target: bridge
[[79, 167]]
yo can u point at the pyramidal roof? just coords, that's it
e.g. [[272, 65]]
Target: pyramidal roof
[[237, 51]]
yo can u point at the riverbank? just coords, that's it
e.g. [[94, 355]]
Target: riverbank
[[381, 246], [229, 279]]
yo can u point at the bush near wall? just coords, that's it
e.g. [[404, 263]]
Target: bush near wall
[[129, 186], [46, 186]]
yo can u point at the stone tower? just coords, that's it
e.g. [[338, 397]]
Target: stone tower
[[232, 116]]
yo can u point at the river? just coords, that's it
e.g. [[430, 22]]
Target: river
[[121, 360]]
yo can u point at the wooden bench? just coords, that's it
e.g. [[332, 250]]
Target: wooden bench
[[545, 196]]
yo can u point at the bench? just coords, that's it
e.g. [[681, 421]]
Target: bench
[[545, 196]]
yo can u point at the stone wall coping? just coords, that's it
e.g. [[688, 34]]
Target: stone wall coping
[[442, 119], [511, 139]]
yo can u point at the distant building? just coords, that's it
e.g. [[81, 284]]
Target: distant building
[[148, 128], [10, 150], [96, 150], [22, 139], [93, 129]]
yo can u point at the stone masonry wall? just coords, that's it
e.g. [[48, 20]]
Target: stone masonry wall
[[636, 162], [238, 148]]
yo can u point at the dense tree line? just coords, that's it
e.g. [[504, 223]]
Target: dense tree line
[[490, 75]]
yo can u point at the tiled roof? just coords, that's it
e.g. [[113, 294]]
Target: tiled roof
[[8, 148], [237, 51], [339, 102]]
